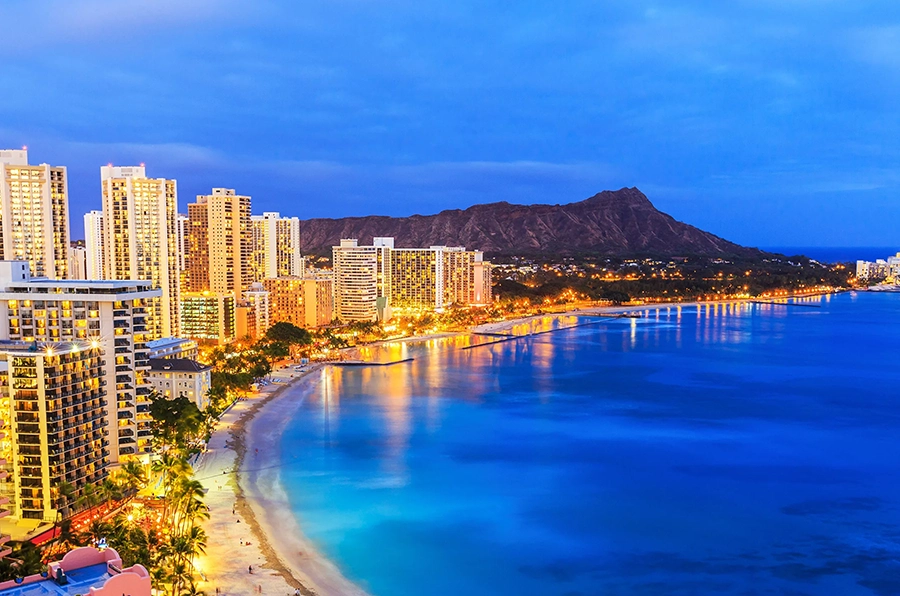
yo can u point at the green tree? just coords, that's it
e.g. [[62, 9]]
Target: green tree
[[177, 422]]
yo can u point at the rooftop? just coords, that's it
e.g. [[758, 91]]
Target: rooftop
[[177, 365]]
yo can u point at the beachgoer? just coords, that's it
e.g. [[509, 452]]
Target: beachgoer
[[249, 568]]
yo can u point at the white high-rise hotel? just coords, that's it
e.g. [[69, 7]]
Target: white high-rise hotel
[[34, 214], [140, 238], [275, 243]]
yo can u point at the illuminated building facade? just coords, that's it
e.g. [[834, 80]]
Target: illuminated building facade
[[176, 377], [77, 261], [362, 280], [275, 246], [34, 215], [257, 299], [111, 314], [141, 239], [52, 398], [218, 258], [173, 347], [373, 281], [208, 316]]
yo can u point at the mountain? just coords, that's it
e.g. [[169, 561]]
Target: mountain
[[622, 222]]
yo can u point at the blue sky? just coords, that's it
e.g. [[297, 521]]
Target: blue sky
[[769, 122]]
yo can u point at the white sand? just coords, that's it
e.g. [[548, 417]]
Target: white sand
[[282, 559]]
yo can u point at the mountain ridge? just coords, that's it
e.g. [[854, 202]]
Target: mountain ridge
[[612, 222]]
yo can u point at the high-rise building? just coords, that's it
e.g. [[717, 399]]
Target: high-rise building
[[111, 314], [218, 258], [417, 279], [183, 242], [208, 316], [34, 214], [362, 280], [467, 277], [93, 244], [53, 397], [275, 246], [140, 222]]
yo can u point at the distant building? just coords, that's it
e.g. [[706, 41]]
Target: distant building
[[879, 269], [53, 404], [93, 244], [34, 214], [371, 282], [176, 377], [318, 300], [208, 316], [218, 257], [112, 314], [173, 347], [257, 299], [140, 238], [77, 261], [275, 242]]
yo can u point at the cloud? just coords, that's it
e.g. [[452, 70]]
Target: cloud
[[56, 22]]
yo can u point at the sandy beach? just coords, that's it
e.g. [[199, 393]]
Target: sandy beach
[[251, 525]]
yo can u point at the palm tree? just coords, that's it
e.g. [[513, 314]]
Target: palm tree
[[110, 491], [89, 497], [132, 476], [64, 494]]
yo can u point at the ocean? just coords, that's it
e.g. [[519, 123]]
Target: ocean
[[741, 449]]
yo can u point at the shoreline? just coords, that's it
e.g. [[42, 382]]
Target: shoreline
[[247, 536]]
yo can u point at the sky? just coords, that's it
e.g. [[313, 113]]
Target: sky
[[768, 122]]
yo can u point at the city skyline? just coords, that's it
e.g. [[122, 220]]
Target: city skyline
[[732, 118]]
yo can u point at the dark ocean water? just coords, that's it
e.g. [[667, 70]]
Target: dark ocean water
[[832, 254], [721, 450]]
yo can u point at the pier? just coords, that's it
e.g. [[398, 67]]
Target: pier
[[776, 303]]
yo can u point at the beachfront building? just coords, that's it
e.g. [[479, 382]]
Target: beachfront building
[[93, 244], [362, 280], [887, 269], [275, 246], [52, 400], [85, 570], [34, 214], [318, 298], [140, 239], [218, 256], [370, 281], [173, 347], [177, 377], [111, 314], [208, 316]]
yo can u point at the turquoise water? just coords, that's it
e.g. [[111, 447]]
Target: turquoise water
[[733, 450]]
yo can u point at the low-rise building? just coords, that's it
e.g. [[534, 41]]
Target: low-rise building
[[85, 570], [176, 377]]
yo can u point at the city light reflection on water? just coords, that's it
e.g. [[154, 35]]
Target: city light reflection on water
[[636, 452]]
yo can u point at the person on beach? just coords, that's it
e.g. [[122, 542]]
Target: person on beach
[[250, 569]]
